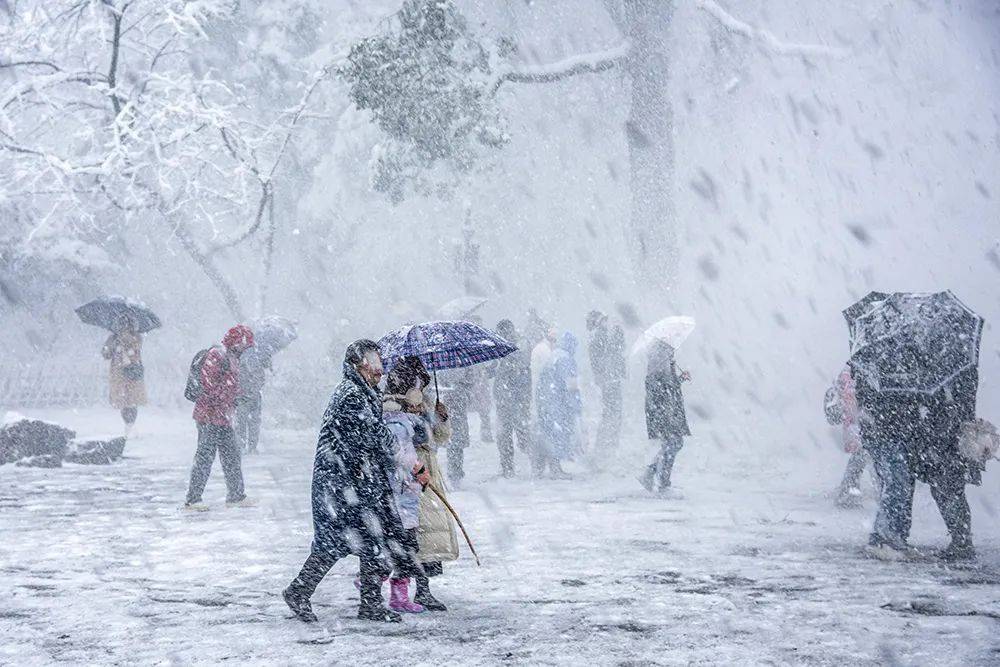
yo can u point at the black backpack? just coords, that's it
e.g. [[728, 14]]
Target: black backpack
[[193, 390]]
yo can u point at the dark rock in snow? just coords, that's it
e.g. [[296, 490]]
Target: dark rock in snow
[[40, 461], [24, 438], [95, 452]]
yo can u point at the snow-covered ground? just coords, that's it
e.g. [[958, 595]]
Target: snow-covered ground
[[752, 565]]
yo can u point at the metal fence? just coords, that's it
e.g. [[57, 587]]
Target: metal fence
[[295, 394]]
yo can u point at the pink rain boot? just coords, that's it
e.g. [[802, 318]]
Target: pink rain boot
[[399, 598]]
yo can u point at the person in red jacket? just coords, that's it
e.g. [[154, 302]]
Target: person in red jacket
[[213, 413]]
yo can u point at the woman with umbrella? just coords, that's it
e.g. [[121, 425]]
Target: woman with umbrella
[[666, 419], [419, 424], [127, 321], [127, 387]]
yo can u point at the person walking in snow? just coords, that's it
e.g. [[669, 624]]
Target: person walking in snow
[[353, 507], [126, 383], [457, 386], [666, 419], [413, 422], [436, 534], [841, 408], [512, 395], [557, 397], [255, 363], [401, 409], [607, 362], [215, 405], [481, 397], [915, 437]]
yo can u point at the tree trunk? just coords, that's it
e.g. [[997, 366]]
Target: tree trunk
[[268, 256], [206, 264], [652, 234]]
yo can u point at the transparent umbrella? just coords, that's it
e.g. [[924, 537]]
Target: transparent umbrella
[[673, 330]]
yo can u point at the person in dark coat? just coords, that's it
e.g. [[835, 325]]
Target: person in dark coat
[[512, 395], [254, 366], [666, 419], [607, 362], [915, 437], [939, 464], [457, 387], [353, 508]]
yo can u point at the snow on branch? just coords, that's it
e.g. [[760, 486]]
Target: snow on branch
[[765, 37], [586, 63]]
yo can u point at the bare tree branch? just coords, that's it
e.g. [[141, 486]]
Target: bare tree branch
[[589, 63], [764, 37], [116, 23]]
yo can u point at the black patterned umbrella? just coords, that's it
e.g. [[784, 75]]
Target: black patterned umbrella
[[915, 343], [109, 312], [853, 312]]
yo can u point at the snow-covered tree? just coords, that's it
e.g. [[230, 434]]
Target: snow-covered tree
[[426, 79], [112, 118]]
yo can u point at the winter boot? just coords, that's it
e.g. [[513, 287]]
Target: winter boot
[[849, 498], [891, 549], [371, 608], [557, 471], [299, 604], [646, 479], [958, 551], [195, 507], [424, 598], [399, 598]]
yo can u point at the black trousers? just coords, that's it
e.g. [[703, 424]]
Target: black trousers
[[373, 569], [212, 438], [948, 491], [248, 422], [319, 563], [511, 425], [609, 430]]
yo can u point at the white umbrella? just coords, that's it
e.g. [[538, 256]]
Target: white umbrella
[[461, 308], [274, 332], [673, 330]]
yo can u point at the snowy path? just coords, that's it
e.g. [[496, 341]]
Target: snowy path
[[97, 565]]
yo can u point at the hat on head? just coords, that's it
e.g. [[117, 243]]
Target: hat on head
[[238, 338]]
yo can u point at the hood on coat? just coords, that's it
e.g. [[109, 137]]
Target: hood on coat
[[351, 374]]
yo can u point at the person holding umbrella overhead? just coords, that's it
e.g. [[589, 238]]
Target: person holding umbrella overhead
[[126, 381], [127, 320], [666, 419], [915, 360], [419, 426], [271, 334], [446, 346]]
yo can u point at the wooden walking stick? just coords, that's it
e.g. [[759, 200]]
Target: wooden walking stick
[[457, 520]]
